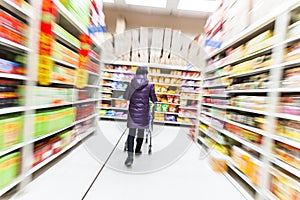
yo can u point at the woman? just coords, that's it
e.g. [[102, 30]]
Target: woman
[[138, 92]]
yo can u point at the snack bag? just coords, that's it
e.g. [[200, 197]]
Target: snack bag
[[165, 107]]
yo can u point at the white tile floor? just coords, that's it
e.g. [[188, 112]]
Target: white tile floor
[[188, 178]]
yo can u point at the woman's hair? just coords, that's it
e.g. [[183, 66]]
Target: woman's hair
[[142, 70]]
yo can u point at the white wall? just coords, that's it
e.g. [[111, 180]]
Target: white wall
[[188, 25]]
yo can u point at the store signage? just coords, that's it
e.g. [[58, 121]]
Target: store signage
[[85, 48], [212, 43], [45, 66], [96, 29], [97, 18]]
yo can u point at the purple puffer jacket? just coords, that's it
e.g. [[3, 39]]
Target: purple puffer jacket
[[138, 92]]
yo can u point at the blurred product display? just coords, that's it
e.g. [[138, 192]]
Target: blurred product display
[[251, 94], [42, 95], [235, 88], [175, 89]]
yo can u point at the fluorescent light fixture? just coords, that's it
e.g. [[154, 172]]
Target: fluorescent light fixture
[[198, 5], [149, 3], [108, 1]]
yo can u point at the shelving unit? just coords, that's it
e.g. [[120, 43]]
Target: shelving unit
[[31, 107], [113, 89], [227, 84]]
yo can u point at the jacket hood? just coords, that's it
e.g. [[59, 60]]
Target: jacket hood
[[139, 81]]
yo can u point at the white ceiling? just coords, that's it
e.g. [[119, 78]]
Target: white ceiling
[[188, 8]]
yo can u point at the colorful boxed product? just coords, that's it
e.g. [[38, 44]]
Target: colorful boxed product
[[289, 129], [217, 162], [9, 168], [63, 74], [288, 154], [11, 129], [10, 67], [66, 138], [53, 120], [12, 35], [170, 118], [11, 22], [284, 187]]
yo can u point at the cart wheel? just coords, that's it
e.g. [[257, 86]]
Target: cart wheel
[[149, 151], [146, 140]]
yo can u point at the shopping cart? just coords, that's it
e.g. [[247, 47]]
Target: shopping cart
[[148, 131]]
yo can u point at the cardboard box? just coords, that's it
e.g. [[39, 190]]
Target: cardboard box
[[185, 44], [135, 44], [109, 53], [167, 39], [259, 8], [157, 38], [144, 44], [123, 44], [175, 44], [194, 54], [155, 55]]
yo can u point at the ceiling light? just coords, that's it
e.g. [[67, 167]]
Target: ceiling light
[[198, 5], [108, 1], [149, 3]]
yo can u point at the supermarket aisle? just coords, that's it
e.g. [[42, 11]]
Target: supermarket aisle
[[189, 177], [68, 179]]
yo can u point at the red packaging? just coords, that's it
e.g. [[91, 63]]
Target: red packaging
[[18, 2], [11, 22], [11, 35]]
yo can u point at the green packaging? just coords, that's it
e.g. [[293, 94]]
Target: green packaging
[[11, 128]]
